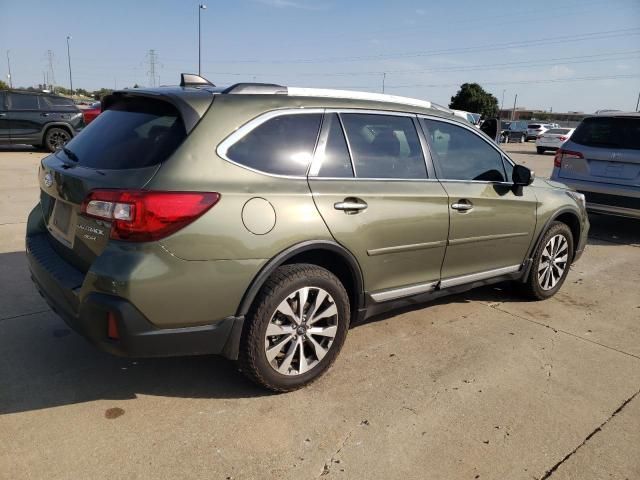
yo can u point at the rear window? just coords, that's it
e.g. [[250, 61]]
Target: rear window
[[611, 132], [22, 101], [133, 133], [533, 125], [59, 101], [560, 131]]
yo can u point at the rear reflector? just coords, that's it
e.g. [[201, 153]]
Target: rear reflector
[[143, 216], [112, 327], [564, 155]]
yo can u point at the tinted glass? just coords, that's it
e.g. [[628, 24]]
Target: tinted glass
[[59, 101], [282, 145], [462, 155], [560, 131], [613, 132], [21, 101], [533, 125], [3, 97], [336, 162], [384, 146], [131, 134]]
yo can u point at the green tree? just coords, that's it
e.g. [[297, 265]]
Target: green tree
[[473, 98], [3, 85]]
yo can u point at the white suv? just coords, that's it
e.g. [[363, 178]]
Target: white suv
[[535, 129]]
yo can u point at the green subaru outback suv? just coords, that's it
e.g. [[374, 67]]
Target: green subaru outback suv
[[258, 222]]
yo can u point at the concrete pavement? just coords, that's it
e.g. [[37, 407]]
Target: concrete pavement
[[481, 385]]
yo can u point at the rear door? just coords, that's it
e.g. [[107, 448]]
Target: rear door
[[123, 148], [610, 147], [491, 222], [376, 195], [5, 136], [25, 120]]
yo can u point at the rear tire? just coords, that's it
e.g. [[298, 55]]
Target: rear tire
[[540, 150], [283, 350], [56, 138], [551, 263]]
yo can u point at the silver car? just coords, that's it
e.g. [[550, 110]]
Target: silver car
[[602, 161]]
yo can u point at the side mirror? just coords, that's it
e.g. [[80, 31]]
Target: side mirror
[[522, 176]]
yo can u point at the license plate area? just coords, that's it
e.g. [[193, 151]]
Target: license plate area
[[61, 223]]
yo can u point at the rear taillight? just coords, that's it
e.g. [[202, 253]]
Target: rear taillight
[[562, 137], [143, 216], [564, 155]]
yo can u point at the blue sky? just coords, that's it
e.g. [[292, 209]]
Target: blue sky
[[553, 54]]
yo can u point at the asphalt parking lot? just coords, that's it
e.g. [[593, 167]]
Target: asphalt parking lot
[[481, 385]]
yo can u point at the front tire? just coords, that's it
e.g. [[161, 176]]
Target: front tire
[[540, 150], [550, 263], [56, 138], [295, 328]]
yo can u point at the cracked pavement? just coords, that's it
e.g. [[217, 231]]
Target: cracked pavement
[[480, 385]]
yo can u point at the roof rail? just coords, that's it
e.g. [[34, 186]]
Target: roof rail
[[193, 80], [256, 88], [356, 95]]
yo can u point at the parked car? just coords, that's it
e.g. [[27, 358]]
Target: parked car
[[514, 132], [38, 119], [553, 139], [92, 112], [535, 129], [259, 226], [602, 160]]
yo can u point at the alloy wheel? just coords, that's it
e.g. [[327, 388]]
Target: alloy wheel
[[301, 331], [553, 262], [58, 139]]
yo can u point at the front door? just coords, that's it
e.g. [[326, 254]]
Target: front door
[[25, 118], [492, 222], [373, 191]]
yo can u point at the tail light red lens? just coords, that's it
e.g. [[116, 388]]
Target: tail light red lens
[[144, 216], [562, 137], [564, 154]]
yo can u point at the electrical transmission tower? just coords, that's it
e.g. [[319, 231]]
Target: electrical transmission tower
[[51, 73], [152, 60]]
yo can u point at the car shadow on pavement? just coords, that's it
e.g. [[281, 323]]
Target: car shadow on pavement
[[21, 148], [44, 364]]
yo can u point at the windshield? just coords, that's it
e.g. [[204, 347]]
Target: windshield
[[615, 132]]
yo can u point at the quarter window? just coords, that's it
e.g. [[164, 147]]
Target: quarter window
[[384, 146], [462, 155], [282, 145], [20, 101], [336, 161]]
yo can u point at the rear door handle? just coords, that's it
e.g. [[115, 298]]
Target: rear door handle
[[44, 114], [351, 205], [462, 205]]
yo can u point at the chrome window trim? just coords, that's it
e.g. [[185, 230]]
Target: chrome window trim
[[477, 133], [403, 292], [223, 147], [473, 277]]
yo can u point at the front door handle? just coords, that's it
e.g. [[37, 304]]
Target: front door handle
[[351, 205], [462, 205], [44, 114]]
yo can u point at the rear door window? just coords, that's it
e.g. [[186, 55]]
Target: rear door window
[[282, 145], [23, 101], [609, 132], [55, 103], [384, 146], [133, 133], [463, 155]]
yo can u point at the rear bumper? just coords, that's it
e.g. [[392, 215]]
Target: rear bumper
[[60, 285]]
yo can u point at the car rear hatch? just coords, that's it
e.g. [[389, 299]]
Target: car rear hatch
[[121, 149], [603, 150]]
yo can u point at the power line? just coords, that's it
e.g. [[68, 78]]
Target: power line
[[483, 48]]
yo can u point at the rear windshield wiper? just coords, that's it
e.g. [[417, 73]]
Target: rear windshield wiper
[[70, 154]]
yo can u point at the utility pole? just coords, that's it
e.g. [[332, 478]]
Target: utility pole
[[513, 112], [152, 57], [69, 58], [201, 7], [384, 77], [502, 102], [9, 66]]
